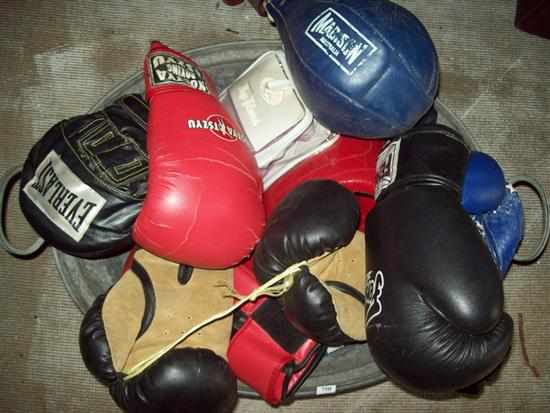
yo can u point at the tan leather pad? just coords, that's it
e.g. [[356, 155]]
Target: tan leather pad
[[178, 309], [347, 265], [122, 314]]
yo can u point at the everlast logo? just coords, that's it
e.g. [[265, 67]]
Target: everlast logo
[[340, 40], [375, 285], [167, 68], [218, 125], [67, 201]]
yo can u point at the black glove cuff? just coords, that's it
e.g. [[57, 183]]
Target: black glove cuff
[[427, 155]]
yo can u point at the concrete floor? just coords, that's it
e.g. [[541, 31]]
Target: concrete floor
[[59, 57]]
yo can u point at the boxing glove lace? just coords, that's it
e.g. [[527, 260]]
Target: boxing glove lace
[[146, 309]]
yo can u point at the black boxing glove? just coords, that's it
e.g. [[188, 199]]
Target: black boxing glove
[[435, 318], [317, 223], [152, 304]]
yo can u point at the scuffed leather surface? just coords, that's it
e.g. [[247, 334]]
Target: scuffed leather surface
[[63, 60]]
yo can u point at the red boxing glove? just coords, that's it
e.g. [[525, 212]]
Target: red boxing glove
[[350, 161], [266, 352], [204, 203]]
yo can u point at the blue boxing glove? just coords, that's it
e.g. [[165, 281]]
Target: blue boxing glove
[[363, 68], [502, 229], [495, 207], [484, 184]]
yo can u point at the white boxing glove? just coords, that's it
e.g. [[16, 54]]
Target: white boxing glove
[[279, 128]]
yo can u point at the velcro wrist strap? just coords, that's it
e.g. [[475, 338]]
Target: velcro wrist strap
[[266, 352], [260, 362], [251, 348]]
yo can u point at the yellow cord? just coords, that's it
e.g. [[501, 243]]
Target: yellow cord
[[269, 288]]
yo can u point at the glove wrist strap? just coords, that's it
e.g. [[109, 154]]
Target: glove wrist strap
[[541, 194], [5, 185]]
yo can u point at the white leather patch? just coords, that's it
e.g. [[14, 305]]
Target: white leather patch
[[267, 106]]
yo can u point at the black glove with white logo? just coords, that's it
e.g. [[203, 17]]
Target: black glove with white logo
[[435, 319], [84, 182]]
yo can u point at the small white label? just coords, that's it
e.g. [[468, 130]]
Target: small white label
[[62, 196], [167, 68], [386, 167], [326, 389], [333, 349]]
